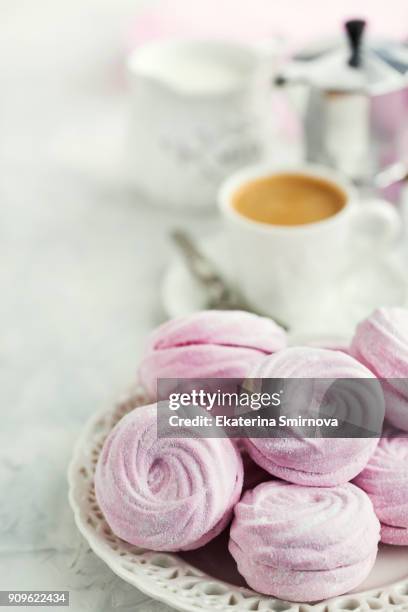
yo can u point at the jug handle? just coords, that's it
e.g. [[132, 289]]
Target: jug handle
[[294, 82]]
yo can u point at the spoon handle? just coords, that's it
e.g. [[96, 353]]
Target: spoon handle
[[199, 265], [203, 270], [220, 296]]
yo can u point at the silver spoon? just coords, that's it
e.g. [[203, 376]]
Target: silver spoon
[[219, 293]]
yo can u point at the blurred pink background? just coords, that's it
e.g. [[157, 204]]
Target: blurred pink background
[[296, 21]]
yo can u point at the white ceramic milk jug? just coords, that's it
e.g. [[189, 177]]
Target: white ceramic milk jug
[[199, 111]]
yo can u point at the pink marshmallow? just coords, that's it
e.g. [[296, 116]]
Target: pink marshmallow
[[318, 461], [209, 344], [302, 543], [381, 343], [327, 342], [166, 494], [385, 480]]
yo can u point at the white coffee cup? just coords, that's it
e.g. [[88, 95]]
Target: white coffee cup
[[281, 269]]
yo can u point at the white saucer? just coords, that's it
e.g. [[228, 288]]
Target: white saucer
[[371, 282]]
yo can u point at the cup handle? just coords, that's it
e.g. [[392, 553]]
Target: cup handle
[[377, 223]]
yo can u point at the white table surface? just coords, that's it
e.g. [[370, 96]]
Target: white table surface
[[80, 265]]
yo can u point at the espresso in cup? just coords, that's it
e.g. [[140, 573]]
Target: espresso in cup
[[288, 199]]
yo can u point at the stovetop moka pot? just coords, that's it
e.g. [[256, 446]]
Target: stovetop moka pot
[[356, 115]]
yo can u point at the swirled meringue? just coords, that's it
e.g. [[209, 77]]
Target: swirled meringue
[[208, 344], [381, 343], [385, 480], [303, 543], [166, 493], [317, 461]]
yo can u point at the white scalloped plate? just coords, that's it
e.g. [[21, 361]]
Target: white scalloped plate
[[205, 579]]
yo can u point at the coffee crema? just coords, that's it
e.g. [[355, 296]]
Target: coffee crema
[[288, 199]]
